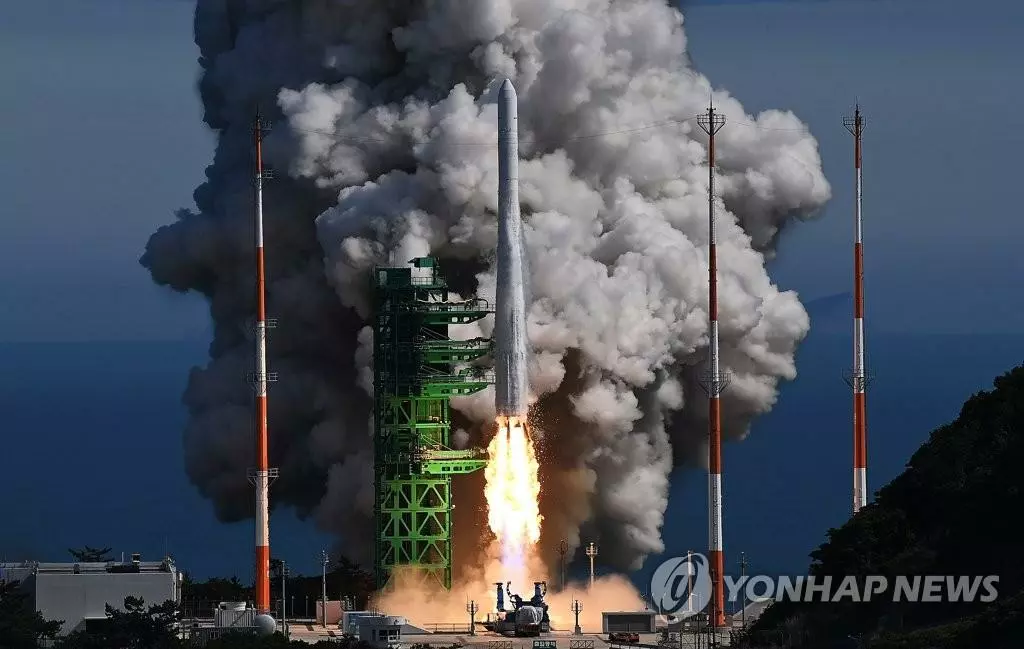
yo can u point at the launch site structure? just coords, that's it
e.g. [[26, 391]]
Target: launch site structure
[[415, 374]]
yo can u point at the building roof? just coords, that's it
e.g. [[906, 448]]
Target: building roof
[[39, 567]]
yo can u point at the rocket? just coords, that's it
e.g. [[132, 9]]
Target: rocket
[[510, 310]]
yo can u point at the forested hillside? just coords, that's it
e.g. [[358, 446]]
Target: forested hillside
[[956, 510]]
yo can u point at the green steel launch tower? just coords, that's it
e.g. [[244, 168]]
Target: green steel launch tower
[[415, 374]]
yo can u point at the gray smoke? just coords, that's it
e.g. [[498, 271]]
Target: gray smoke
[[385, 149]]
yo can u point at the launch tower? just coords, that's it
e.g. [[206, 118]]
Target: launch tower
[[415, 375]]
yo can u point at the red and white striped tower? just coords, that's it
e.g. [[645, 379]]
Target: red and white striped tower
[[858, 378], [712, 122], [262, 475]]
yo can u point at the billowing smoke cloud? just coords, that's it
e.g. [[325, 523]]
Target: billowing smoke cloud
[[385, 149]]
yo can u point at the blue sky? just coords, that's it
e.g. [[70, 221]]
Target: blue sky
[[103, 139]]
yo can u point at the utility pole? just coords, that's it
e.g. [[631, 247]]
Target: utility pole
[[577, 608], [689, 581], [696, 625], [325, 560], [563, 548], [591, 552], [743, 579], [472, 609], [284, 597]]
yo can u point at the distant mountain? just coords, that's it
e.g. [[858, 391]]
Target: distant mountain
[[953, 512]]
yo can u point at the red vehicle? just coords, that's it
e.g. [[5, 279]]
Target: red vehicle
[[630, 638]]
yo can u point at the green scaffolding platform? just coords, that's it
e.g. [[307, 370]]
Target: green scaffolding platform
[[415, 374]]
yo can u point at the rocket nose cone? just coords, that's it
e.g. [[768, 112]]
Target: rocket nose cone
[[508, 91]]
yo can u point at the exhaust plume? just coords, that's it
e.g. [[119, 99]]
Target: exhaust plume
[[385, 149]]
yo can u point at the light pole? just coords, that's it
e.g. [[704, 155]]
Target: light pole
[[563, 548], [326, 560], [689, 581], [577, 607], [743, 579], [284, 597], [472, 609], [591, 552]]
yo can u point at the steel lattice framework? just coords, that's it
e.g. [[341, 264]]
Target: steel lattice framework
[[416, 372]]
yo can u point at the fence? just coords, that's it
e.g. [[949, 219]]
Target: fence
[[200, 636], [448, 628], [581, 644], [298, 607]]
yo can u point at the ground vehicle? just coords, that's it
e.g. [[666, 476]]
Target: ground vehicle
[[527, 618]]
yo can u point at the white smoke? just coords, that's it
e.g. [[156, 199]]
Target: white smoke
[[386, 150]]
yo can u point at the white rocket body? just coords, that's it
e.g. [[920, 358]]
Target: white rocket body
[[510, 310]]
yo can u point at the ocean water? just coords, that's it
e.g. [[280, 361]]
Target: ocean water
[[93, 456], [92, 452]]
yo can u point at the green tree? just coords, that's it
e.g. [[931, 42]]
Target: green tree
[[215, 589], [21, 627], [135, 627]]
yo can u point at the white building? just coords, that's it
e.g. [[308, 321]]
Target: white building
[[382, 631], [78, 593]]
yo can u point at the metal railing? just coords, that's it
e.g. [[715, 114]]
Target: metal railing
[[448, 628]]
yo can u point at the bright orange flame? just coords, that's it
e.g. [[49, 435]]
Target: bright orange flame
[[513, 491]]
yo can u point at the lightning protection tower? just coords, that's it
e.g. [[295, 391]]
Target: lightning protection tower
[[858, 379], [415, 374], [263, 474], [714, 382]]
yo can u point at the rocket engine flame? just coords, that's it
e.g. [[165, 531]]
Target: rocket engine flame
[[513, 494]]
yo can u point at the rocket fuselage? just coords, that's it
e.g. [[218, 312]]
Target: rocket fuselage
[[510, 310]]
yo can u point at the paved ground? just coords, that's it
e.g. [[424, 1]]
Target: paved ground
[[313, 633]]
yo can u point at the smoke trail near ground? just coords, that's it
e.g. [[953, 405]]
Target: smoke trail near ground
[[385, 149], [423, 605]]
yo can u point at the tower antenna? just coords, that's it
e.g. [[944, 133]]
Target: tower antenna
[[857, 379], [262, 475], [714, 382]]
